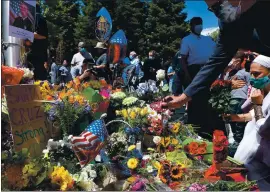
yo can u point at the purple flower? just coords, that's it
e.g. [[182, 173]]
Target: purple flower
[[138, 186], [76, 104], [87, 109], [197, 187]]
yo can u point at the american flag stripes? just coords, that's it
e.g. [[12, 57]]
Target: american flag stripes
[[15, 11], [89, 143]]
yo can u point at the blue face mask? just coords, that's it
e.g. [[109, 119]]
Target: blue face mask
[[82, 49], [259, 83], [131, 57], [198, 29], [151, 57]]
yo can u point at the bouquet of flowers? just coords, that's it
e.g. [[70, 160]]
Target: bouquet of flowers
[[147, 90], [171, 174], [28, 76], [220, 96], [117, 146], [134, 116]]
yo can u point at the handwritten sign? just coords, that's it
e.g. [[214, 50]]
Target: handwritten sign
[[27, 118]]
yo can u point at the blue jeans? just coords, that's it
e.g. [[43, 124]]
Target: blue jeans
[[234, 35]]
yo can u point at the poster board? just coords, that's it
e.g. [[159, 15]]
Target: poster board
[[22, 19], [27, 118]]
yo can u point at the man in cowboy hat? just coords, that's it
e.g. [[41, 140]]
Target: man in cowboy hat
[[78, 58], [102, 60]]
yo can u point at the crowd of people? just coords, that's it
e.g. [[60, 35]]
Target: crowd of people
[[198, 63]]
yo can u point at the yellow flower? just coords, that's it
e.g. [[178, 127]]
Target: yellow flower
[[132, 115], [125, 113], [157, 165], [176, 127], [144, 111], [131, 147], [137, 109], [165, 141], [61, 177], [132, 163], [175, 141], [129, 110], [118, 112], [37, 83]]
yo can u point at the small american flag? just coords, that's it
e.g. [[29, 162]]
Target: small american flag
[[88, 145], [15, 10]]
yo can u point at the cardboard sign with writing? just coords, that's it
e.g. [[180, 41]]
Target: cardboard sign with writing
[[27, 118]]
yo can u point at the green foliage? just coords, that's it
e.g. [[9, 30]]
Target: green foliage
[[231, 186], [68, 115], [61, 16], [164, 27], [215, 35], [158, 25]]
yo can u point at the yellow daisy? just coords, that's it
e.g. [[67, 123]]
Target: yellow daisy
[[132, 163]]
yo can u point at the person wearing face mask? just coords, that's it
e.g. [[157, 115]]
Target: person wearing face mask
[[242, 25], [253, 150], [78, 58], [195, 51], [151, 66], [138, 73]]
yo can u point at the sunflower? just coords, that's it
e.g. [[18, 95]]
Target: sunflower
[[176, 172], [131, 147], [163, 179], [132, 163], [193, 145]]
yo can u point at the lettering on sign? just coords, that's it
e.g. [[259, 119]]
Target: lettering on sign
[[27, 118]]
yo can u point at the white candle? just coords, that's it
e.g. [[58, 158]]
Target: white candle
[[139, 146]]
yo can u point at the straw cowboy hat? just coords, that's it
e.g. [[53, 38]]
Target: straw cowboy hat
[[100, 45]]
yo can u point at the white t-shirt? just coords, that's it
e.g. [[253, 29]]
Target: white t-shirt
[[198, 49], [77, 60]]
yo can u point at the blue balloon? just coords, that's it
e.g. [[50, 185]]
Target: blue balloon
[[103, 25], [119, 38]]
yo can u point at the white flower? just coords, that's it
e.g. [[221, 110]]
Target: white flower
[[149, 169], [27, 73], [146, 157], [50, 140], [93, 174], [70, 136], [160, 75], [45, 151], [83, 176], [156, 139]]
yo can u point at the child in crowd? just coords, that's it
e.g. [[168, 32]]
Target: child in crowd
[[64, 71]]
